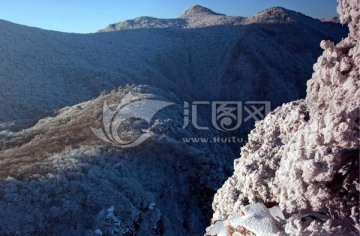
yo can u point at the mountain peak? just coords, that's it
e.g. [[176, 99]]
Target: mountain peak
[[198, 10], [278, 15]]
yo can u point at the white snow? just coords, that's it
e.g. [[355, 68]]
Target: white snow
[[257, 219], [218, 229], [276, 213]]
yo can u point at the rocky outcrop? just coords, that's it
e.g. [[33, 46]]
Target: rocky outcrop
[[304, 156]]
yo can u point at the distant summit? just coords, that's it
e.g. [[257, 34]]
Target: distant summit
[[274, 15], [279, 15], [199, 17], [198, 10]]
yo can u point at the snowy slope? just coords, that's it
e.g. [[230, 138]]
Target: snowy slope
[[67, 177], [38, 67]]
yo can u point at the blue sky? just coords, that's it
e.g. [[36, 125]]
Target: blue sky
[[86, 16]]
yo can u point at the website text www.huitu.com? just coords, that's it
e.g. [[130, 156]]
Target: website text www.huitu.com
[[229, 140]]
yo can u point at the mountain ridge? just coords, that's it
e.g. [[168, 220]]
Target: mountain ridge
[[198, 17], [86, 59]]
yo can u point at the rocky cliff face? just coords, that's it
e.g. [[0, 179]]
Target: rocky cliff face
[[304, 156]]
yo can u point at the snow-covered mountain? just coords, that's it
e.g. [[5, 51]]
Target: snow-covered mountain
[[57, 177], [200, 17], [38, 67]]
